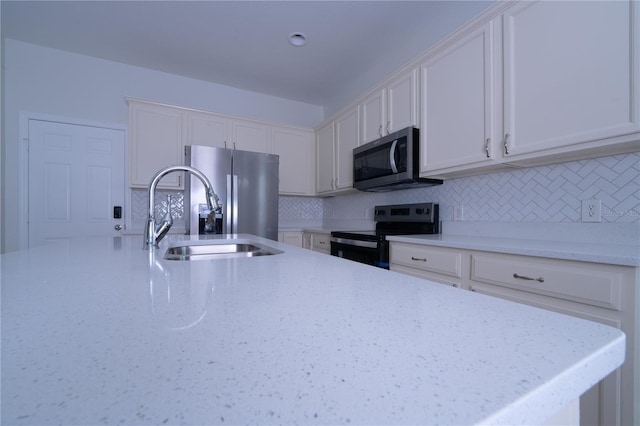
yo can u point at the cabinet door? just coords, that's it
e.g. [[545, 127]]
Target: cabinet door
[[295, 149], [293, 238], [155, 142], [402, 102], [347, 137], [321, 243], [457, 104], [324, 158], [306, 241], [250, 136], [600, 405], [373, 116], [568, 73], [207, 129]]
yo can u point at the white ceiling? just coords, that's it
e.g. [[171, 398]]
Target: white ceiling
[[352, 45]]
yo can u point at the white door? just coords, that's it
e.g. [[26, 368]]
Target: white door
[[76, 181]]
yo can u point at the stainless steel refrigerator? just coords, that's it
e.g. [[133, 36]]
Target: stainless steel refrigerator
[[246, 184]]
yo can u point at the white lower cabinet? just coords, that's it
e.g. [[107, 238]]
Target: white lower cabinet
[[316, 241], [598, 292], [440, 265], [293, 238]]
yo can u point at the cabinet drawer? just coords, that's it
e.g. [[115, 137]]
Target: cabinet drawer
[[575, 281], [439, 260], [321, 242]]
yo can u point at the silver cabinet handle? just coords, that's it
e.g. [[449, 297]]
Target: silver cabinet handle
[[486, 147], [421, 259], [380, 130], [506, 143], [524, 277], [387, 128]]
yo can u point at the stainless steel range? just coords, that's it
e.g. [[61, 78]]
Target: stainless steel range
[[372, 247]]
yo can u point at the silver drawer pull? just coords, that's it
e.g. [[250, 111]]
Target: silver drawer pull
[[422, 259], [523, 277]]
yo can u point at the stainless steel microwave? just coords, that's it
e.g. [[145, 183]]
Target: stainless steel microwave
[[390, 163]]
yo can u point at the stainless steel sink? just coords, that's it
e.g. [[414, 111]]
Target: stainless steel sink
[[218, 251]]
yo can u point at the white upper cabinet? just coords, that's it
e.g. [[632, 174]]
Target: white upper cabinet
[[158, 134], [250, 136], [207, 129], [325, 158], [457, 111], [533, 83], [402, 101], [347, 137], [373, 116], [570, 74], [390, 108], [295, 148], [155, 142], [334, 153]]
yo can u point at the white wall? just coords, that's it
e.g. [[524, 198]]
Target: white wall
[[54, 82]]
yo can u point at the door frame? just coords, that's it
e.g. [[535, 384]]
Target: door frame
[[23, 163]]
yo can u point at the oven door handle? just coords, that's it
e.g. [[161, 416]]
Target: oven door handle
[[392, 157], [357, 243]]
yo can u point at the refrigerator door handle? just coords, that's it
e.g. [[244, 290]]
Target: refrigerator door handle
[[235, 204], [228, 211]]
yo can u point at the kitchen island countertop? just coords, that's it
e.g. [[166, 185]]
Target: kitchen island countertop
[[98, 331]]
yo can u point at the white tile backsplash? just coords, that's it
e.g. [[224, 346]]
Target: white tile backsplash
[[550, 193], [544, 194]]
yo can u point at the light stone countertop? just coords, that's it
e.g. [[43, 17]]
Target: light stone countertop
[[98, 331], [614, 254]]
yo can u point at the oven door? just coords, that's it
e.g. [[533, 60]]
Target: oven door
[[368, 252]]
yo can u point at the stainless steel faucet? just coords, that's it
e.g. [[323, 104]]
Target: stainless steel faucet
[[153, 234]]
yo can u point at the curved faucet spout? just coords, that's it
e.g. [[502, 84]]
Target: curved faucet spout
[[153, 234]]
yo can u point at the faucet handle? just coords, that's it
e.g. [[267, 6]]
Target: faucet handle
[[167, 221]]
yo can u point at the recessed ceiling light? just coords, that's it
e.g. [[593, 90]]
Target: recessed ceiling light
[[297, 39]]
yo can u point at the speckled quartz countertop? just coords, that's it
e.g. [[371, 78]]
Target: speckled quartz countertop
[[99, 331]]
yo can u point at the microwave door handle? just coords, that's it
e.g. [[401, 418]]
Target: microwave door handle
[[392, 156]]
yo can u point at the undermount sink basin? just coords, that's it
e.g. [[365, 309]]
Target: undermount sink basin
[[218, 251]]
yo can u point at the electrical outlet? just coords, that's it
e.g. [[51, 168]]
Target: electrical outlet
[[458, 213], [591, 210]]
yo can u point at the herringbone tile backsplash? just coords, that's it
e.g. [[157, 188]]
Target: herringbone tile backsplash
[[551, 193]]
